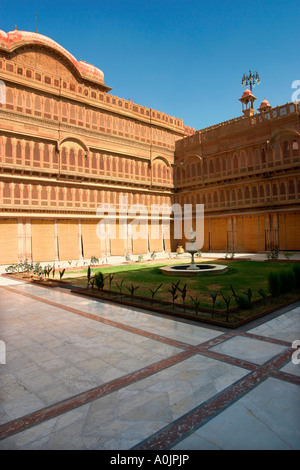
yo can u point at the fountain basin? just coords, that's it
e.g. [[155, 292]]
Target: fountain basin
[[199, 270]]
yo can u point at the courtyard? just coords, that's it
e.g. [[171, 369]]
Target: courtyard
[[87, 374]]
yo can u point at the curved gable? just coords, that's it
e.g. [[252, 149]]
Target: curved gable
[[20, 42]]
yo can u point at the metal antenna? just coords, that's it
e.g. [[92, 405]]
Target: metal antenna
[[36, 23], [251, 79]]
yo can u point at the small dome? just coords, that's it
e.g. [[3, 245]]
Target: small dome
[[265, 103], [246, 93]]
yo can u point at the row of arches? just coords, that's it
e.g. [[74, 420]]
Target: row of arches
[[76, 114], [246, 160], [39, 195], [280, 191], [73, 157]]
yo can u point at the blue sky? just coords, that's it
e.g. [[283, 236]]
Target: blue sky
[[185, 58]]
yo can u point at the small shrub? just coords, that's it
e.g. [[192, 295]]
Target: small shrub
[[273, 254], [61, 273], [110, 278], [196, 303], [227, 302], [89, 277], [214, 298], [154, 291], [47, 271], [11, 269], [244, 302], [140, 258], [274, 284], [132, 290], [94, 260], [287, 280], [234, 293], [288, 255], [153, 255], [248, 294], [173, 292], [262, 294], [99, 280], [183, 292], [120, 287], [296, 269]]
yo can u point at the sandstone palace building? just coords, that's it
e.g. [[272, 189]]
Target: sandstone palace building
[[68, 145]]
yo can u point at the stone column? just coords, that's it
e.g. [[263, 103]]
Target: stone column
[[28, 240], [56, 246], [80, 257], [20, 237]]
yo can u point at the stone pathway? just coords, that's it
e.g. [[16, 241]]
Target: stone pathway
[[84, 374]]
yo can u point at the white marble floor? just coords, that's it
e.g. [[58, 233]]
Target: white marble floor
[[82, 374]]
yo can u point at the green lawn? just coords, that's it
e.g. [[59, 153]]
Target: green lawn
[[241, 275]]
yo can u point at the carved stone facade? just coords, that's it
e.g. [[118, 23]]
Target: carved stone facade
[[67, 146], [246, 173]]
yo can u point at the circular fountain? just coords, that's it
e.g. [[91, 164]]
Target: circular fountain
[[193, 269]]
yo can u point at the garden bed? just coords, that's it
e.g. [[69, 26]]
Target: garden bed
[[37, 280], [228, 300], [236, 316]]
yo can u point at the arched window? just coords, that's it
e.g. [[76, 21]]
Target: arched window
[[34, 193], [282, 189], [291, 187], [47, 108], [17, 191], [277, 151], [36, 152], [8, 148], [188, 173], [20, 100], [261, 192], [37, 104], [6, 190], [27, 152], [295, 148], [235, 163], [73, 113], [9, 96], [72, 159], [224, 165], [94, 162], [46, 153], [243, 160], [80, 158], [19, 150], [286, 149], [64, 156]]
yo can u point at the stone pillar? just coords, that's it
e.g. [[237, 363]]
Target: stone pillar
[[56, 246], [80, 257], [275, 231], [268, 232], [20, 237], [28, 240]]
